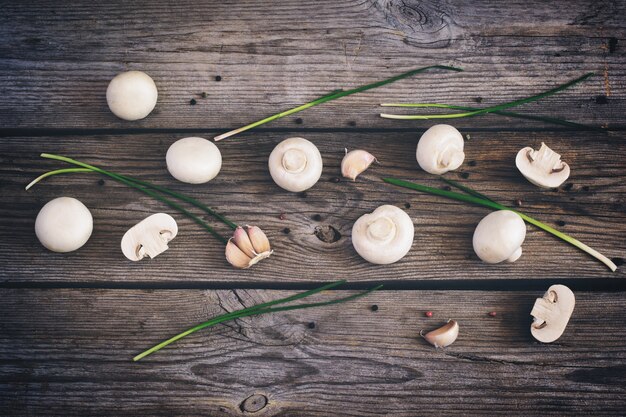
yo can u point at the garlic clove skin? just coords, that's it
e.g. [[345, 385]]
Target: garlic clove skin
[[384, 236], [440, 149], [498, 237], [247, 247], [542, 168], [295, 164], [355, 162], [443, 336]]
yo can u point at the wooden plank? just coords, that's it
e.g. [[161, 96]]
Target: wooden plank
[[57, 60], [67, 352], [590, 206]]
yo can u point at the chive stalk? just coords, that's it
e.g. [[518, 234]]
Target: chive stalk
[[332, 96], [496, 206], [477, 112], [263, 308], [138, 185]]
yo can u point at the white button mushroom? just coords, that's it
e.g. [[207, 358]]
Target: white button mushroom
[[440, 149], [63, 224], [295, 164], [383, 236], [499, 237], [552, 313], [132, 95], [543, 168], [149, 237], [193, 160]]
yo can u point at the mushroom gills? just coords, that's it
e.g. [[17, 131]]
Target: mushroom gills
[[551, 313], [149, 237]]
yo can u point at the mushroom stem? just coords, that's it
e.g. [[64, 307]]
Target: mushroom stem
[[515, 255], [496, 206]]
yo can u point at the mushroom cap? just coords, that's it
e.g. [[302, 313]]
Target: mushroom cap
[[295, 164], [440, 149], [383, 236], [543, 168], [499, 237], [132, 95], [193, 160], [63, 224]]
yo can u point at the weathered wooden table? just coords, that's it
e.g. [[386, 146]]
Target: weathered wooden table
[[70, 323]]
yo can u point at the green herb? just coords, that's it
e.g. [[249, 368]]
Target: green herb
[[333, 96], [474, 199], [143, 187], [260, 309], [545, 119], [492, 109]]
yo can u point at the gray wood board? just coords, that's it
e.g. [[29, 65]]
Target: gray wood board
[[590, 207], [57, 60], [71, 355]]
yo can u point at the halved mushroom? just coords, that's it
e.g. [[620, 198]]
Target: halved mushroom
[[551, 313], [543, 168], [149, 237]]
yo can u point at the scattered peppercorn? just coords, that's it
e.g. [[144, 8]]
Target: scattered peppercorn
[[478, 99], [218, 78], [311, 325], [407, 205], [492, 314], [472, 163], [316, 217], [428, 314], [192, 102], [298, 121], [100, 182], [286, 230], [335, 179], [352, 123], [374, 307], [560, 222], [464, 175]]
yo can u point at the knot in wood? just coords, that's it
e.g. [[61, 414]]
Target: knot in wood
[[253, 403], [327, 234]]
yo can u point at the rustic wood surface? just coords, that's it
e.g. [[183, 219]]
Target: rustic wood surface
[[70, 323], [340, 360]]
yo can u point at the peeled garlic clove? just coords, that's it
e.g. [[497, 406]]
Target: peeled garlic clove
[[236, 257], [443, 336], [259, 240], [355, 162], [241, 239]]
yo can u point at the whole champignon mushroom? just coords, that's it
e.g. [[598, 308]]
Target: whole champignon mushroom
[[132, 95], [383, 236], [552, 313], [295, 164], [499, 237], [193, 160], [63, 224], [543, 168], [149, 237], [440, 149]]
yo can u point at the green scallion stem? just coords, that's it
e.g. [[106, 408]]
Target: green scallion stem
[[544, 119], [496, 206], [492, 109], [257, 310], [332, 96], [139, 187]]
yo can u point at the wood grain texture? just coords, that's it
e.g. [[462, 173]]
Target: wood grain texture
[[591, 206], [67, 352], [57, 60]]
